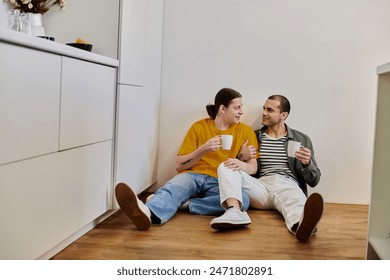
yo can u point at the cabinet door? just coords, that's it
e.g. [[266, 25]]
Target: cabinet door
[[137, 137], [85, 184], [87, 103], [29, 102], [28, 206], [132, 42], [379, 222], [45, 200]]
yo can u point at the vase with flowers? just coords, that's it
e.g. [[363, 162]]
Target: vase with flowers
[[33, 10]]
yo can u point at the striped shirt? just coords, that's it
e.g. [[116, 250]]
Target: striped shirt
[[273, 157]]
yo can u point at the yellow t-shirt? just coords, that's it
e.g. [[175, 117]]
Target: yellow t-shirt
[[202, 131]]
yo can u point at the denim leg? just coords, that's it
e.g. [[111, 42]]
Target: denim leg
[[166, 201], [210, 202], [245, 201]]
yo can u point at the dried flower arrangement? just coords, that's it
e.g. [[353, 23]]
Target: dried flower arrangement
[[35, 6]]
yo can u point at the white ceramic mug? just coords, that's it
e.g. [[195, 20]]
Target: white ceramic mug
[[227, 141], [293, 147]]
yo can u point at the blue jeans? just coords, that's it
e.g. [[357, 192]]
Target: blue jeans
[[202, 192]]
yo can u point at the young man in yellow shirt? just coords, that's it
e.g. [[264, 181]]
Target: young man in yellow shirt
[[200, 155]]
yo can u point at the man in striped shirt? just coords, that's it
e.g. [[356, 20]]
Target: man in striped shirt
[[281, 182]]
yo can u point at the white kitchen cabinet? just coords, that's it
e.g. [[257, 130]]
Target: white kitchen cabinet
[[132, 42], [85, 185], [87, 103], [136, 138], [46, 199], [29, 207], [56, 148], [29, 102], [379, 219], [138, 104]]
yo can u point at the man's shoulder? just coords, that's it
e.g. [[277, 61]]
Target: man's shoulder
[[299, 133], [202, 122]]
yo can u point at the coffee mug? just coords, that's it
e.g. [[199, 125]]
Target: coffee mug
[[293, 147], [227, 141]]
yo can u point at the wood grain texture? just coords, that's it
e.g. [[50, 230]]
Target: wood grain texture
[[342, 234]]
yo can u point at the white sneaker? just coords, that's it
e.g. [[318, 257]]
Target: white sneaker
[[137, 211], [231, 219]]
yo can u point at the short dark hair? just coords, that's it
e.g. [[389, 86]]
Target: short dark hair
[[284, 103], [224, 97]]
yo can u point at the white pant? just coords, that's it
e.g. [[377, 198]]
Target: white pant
[[270, 192]]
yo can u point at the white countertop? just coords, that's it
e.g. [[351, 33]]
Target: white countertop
[[21, 39], [383, 69]]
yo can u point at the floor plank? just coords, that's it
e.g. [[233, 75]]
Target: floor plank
[[341, 235]]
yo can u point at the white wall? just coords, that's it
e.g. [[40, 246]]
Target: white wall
[[321, 54]]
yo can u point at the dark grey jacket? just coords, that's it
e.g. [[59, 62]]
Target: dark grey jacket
[[309, 175]]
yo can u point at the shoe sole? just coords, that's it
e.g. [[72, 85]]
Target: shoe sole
[[228, 226], [312, 214], [128, 201]]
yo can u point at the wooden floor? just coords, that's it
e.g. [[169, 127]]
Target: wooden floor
[[341, 235]]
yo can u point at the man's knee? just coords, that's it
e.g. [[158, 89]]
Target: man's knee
[[222, 169]]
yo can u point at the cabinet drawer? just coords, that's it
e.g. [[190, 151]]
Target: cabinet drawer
[[87, 103], [28, 205], [29, 102], [84, 186], [46, 199]]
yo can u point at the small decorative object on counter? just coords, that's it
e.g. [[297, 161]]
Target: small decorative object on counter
[[35, 6], [36, 22], [33, 11], [18, 22], [81, 44]]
